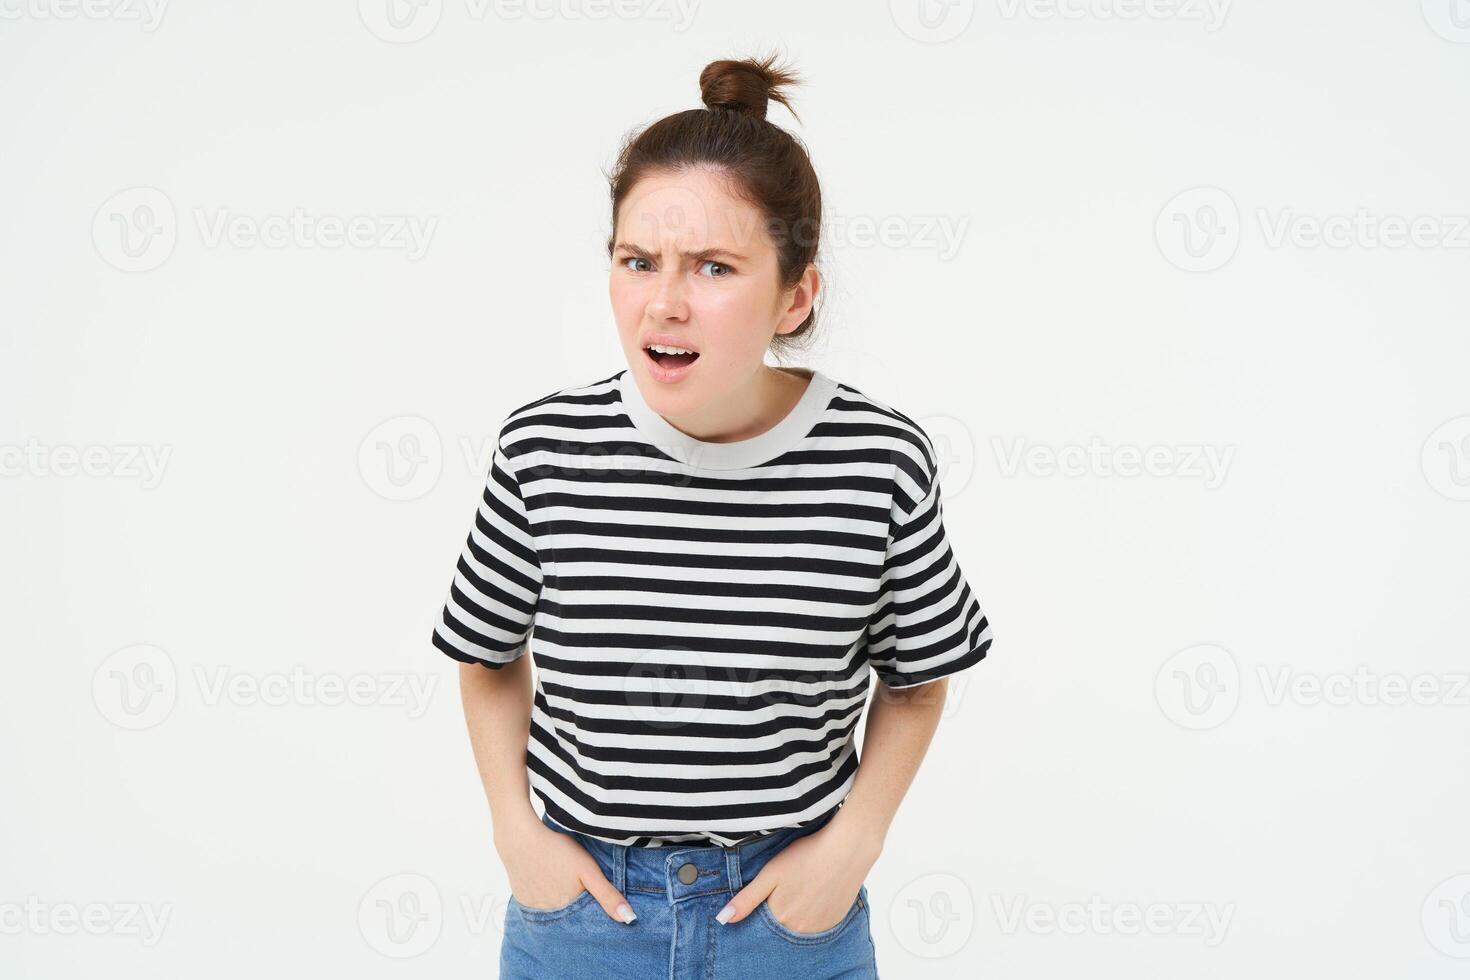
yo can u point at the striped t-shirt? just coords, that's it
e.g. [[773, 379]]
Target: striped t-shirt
[[702, 616]]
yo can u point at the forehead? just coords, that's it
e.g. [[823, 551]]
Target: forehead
[[691, 210]]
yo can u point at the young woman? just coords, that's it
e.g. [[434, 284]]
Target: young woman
[[705, 556]]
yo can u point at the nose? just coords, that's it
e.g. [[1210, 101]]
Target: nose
[[669, 301]]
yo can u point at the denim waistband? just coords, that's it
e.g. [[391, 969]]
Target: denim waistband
[[662, 870]]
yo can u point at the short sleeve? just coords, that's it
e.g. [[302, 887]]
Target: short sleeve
[[492, 599], [927, 624]]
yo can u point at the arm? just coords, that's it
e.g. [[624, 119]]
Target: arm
[[901, 724], [497, 711], [550, 869], [820, 874]]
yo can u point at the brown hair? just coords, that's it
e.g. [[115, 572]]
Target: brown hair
[[765, 164]]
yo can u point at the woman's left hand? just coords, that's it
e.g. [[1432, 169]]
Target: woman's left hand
[[811, 883]]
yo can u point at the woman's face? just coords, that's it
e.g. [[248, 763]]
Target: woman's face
[[694, 267]]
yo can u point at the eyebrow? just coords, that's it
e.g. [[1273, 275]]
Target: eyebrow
[[704, 253]]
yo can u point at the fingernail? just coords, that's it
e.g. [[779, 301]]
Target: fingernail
[[725, 914], [625, 913]]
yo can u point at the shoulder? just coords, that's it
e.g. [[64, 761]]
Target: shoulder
[[560, 410], [908, 445]]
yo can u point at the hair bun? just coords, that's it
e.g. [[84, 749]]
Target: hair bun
[[746, 85]]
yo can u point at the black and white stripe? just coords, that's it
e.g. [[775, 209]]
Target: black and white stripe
[[703, 636]]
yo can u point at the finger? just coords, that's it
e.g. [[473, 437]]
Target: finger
[[613, 902], [746, 899]]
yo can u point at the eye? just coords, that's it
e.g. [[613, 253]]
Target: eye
[[718, 265], [634, 258]]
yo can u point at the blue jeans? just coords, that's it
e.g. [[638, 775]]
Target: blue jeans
[[675, 935]]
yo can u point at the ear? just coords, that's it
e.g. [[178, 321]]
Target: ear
[[798, 300]]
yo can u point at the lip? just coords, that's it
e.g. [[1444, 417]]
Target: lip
[[657, 371]]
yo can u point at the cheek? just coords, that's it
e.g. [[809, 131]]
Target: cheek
[[628, 302]]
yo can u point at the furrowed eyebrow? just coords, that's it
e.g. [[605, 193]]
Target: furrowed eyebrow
[[699, 256]]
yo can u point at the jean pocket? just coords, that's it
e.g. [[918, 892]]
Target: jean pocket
[[545, 915], [859, 908]]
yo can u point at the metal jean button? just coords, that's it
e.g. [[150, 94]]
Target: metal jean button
[[687, 873]]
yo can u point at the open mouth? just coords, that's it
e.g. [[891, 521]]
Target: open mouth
[[671, 357]]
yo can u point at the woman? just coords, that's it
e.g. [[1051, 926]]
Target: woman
[[705, 555]]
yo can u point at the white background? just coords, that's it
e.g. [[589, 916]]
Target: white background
[[1144, 736]]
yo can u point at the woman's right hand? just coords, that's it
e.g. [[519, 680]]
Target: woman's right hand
[[548, 870]]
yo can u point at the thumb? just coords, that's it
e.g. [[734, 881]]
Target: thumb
[[746, 899], [612, 901]]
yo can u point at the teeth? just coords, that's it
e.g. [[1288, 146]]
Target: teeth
[[662, 349]]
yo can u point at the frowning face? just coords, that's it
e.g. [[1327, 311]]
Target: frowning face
[[696, 291]]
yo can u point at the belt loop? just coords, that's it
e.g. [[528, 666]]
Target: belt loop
[[732, 867], [620, 869]]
